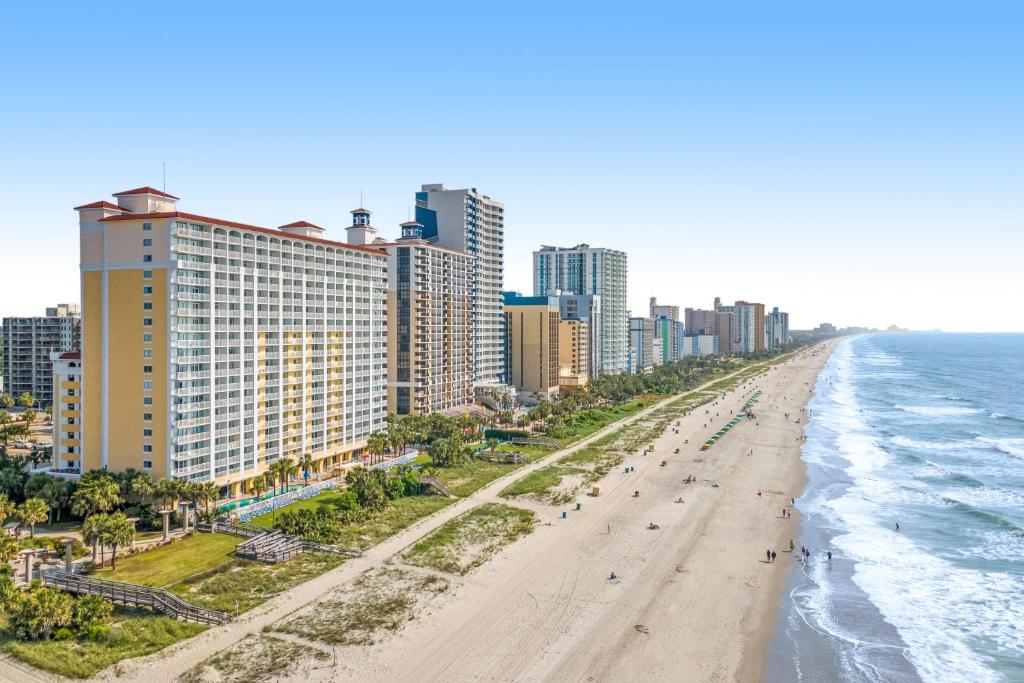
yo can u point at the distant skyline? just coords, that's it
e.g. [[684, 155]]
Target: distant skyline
[[859, 166]]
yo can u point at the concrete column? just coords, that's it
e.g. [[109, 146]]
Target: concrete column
[[167, 523], [68, 559], [184, 517], [28, 565]]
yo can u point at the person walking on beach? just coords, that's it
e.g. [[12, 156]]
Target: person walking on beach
[[773, 556], [792, 545], [829, 556], [768, 555], [897, 527]]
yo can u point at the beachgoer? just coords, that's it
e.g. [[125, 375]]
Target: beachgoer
[[612, 577], [897, 526], [792, 545], [773, 556], [768, 555], [829, 555], [758, 494]]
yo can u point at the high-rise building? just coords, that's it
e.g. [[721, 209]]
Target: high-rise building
[[590, 270], [715, 323], [670, 312], [430, 323], [665, 331], [776, 329], [748, 323], [573, 353], [585, 308], [212, 349], [533, 343], [699, 345], [644, 348], [27, 345], [67, 411], [473, 223]]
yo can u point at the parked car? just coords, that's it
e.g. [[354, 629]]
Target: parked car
[[22, 444]]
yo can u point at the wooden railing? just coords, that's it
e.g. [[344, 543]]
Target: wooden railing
[[133, 595]]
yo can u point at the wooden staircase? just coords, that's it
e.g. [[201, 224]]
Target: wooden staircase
[[132, 595], [437, 486]]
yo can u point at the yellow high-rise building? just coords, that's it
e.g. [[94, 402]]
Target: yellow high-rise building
[[532, 332], [213, 348]]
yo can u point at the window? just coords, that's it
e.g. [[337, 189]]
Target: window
[[148, 242], [147, 464], [147, 226], [147, 275], [147, 258], [147, 337], [147, 385], [147, 305], [147, 433], [147, 289], [147, 353], [147, 417], [147, 322], [147, 400], [147, 369]]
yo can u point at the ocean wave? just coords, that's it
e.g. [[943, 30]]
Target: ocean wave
[[922, 445], [930, 601], [938, 410], [1010, 446], [1002, 416]]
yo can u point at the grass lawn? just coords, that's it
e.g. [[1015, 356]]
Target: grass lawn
[[327, 498], [171, 563], [471, 539], [587, 422], [132, 634], [241, 585], [384, 524]]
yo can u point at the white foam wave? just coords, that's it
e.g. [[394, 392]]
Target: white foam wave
[[930, 601], [922, 445], [938, 410], [1010, 446]]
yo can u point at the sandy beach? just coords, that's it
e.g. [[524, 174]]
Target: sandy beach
[[694, 600]]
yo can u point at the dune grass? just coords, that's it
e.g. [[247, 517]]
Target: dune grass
[[466, 542]]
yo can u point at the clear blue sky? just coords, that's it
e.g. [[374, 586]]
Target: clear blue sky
[[860, 165]]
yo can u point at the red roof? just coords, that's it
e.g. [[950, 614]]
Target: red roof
[[300, 224], [99, 205], [71, 355], [241, 226], [146, 190]]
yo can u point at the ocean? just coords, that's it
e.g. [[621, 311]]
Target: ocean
[[924, 430]]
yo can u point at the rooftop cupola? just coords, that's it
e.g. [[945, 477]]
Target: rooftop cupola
[[303, 229], [146, 200], [360, 232], [411, 230]]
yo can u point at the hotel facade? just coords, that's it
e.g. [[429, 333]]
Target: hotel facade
[[430, 331], [28, 344], [597, 271], [212, 348]]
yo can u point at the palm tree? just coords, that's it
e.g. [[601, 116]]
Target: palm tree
[[92, 531], [9, 548], [27, 400], [306, 463], [96, 495], [6, 508], [118, 531], [32, 512], [376, 443], [258, 486], [6, 401], [206, 493]]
